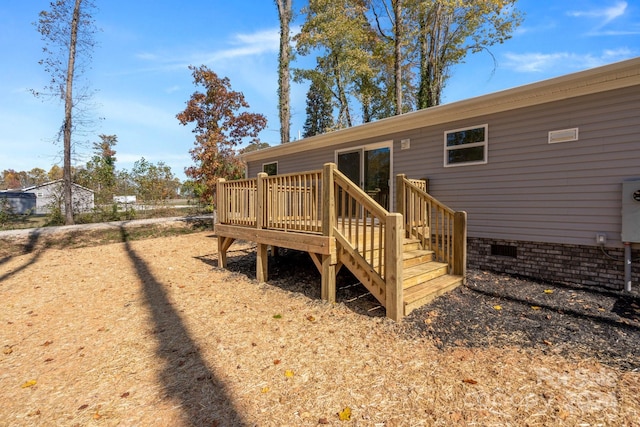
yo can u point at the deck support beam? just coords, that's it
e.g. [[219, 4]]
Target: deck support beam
[[328, 274], [262, 262], [223, 246]]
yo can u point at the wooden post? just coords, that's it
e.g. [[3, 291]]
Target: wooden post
[[400, 194], [401, 202], [328, 273], [260, 203], [261, 263], [222, 253], [394, 236], [460, 244], [328, 287], [220, 201], [262, 259], [221, 217]]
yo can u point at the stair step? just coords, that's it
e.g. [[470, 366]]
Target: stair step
[[415, 257], [423, 272], [425, 292], [409, 258], [411, 244]]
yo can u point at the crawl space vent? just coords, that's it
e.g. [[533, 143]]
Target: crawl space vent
[[504, 250]]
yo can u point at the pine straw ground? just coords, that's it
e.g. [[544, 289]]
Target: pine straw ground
[[151, 332]]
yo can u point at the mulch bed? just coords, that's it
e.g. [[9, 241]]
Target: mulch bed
[[492, 310], [571, 320]]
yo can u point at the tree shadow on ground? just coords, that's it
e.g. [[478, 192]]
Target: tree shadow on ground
[[184, 374], [30, 247]]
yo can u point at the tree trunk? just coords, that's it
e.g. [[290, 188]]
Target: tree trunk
[[397, 11], [68, 110], [284, 84], [433, 34]]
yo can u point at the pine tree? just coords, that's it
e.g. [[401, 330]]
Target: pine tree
[[319, 110]]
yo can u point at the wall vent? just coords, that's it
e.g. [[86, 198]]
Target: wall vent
[[504, 250], [564, 135]]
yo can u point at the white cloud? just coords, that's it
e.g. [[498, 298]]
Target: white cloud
[[565, 61], [137, 113], [609, 14], [238, 46], [535, 29], [153, 157], [147, 56], [606, 15], [243, 45]]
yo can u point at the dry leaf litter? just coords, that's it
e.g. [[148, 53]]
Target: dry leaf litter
[[151, 332]]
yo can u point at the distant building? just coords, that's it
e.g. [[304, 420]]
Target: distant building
[[20, 203], [124, 199], [51, 193]]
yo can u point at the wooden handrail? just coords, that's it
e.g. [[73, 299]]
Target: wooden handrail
[[361, 220], [372, 238], [438, 227]]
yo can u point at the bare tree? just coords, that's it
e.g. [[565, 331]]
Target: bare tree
[[67, 30], [284, 78]]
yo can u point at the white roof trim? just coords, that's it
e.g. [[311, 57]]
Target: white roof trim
[[46, 184]]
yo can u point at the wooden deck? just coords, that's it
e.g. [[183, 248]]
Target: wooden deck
[[405, 258]]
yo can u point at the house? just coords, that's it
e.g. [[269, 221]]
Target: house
[[19, 203], [548, 173], [50, 194]]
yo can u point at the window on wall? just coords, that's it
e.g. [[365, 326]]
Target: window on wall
[[466, 146], [270, 168]]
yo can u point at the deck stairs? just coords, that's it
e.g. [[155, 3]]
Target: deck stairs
[[423, 278]]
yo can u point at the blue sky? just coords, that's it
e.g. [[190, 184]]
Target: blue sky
[[139, 68]]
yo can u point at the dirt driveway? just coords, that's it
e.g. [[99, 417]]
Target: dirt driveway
[[151, 332]]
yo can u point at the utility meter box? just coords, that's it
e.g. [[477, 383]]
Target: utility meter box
[[631, 211]]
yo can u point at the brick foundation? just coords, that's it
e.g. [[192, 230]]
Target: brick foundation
[[585, 265]]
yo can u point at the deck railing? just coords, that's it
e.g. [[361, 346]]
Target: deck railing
[[293, 201], [370, 236], [326, 203], [236, 201], [361, 221], [438, 227], [420, 183]]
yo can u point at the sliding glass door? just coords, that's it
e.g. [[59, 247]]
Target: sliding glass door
[[370, 168]]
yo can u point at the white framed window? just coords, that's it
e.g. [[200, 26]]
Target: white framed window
[[466, 146], [270, 168]]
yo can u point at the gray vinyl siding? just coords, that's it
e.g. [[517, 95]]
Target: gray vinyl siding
[[309, 160], [529, 190], [534, 191]]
